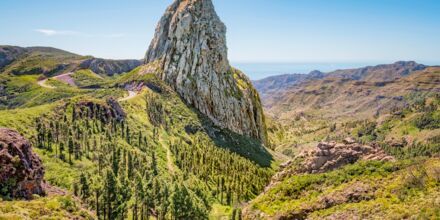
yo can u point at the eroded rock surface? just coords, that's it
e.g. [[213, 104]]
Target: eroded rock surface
[[102, 111], [329, 156], [21, 170], [110, 67], [190, 46]]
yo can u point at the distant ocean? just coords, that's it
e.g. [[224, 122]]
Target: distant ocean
[[258, 71]]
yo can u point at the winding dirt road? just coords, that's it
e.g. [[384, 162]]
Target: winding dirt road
[[43, 84], [131, 94], [63, 78]]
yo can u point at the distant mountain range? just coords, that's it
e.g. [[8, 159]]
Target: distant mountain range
[[52, 61], [365, 90], [374, 73]]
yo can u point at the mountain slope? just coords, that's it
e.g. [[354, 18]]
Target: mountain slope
[[391, 109], [365, 190], [273, 84], [170, 145], [344, 101], [51, 61], [379, 73], [149, 154]]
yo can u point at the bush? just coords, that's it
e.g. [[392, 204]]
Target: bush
[[367, 129], [427, 121]]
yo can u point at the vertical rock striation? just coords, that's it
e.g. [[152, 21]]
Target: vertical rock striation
[[190, 44]]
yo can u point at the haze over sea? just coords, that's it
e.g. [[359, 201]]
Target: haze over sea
[[261, 70]]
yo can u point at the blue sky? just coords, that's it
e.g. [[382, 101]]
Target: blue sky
[[296, 31]]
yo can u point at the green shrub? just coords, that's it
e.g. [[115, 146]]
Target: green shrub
[[427, 121]]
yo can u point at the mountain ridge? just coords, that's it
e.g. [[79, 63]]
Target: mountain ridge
[[61, 61], [283, 81]]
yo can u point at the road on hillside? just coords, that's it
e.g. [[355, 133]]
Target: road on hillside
[[131, 94], [66, 77], [43, 84]]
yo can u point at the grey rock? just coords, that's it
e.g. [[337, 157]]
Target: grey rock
[[21, 170], [109, 67], [329, 156], [190, 46]]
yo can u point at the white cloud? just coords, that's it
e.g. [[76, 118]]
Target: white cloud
[[51, 32]]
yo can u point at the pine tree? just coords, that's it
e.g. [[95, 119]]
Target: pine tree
[[85, 190]]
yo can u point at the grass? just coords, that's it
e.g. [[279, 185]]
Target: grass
[[220, 212], [47, 61], [23, 119], [397, 190], [60, 173], [51, 207], [87, 78]]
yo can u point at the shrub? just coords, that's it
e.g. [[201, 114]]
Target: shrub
[[427, 121]]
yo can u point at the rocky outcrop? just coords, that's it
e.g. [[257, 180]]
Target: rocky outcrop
[[109, 67], [9, 54], [353, 193], [21, 170], [329, 156], [190, 46], [102, 111]]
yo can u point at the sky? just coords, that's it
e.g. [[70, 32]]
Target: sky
[[259, 31]]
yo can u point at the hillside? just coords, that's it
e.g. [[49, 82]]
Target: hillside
[[182, 134], [388, 166], [160, 142], [270, 85], [343, 101], [117, 140], [51, 61]]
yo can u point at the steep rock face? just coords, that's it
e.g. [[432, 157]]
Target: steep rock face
[[110, 67], [190, 44], [21, 170]]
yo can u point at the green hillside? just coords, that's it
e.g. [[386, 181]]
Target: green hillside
[[150, 155]]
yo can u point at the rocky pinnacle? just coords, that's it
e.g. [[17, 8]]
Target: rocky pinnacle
[[190, 45]]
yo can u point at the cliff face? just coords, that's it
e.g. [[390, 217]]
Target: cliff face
[[190, 44], [109, 67]]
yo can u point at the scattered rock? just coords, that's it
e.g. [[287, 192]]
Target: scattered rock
[[329, 156], [356, 192], [21, 170], [349, 140], [190, 46]]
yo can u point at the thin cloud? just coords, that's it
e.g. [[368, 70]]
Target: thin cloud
[[51, 32]]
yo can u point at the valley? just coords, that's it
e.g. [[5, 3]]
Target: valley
[[182, 134]]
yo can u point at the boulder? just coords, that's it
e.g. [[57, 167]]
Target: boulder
[[21, 170], [349, 140]]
